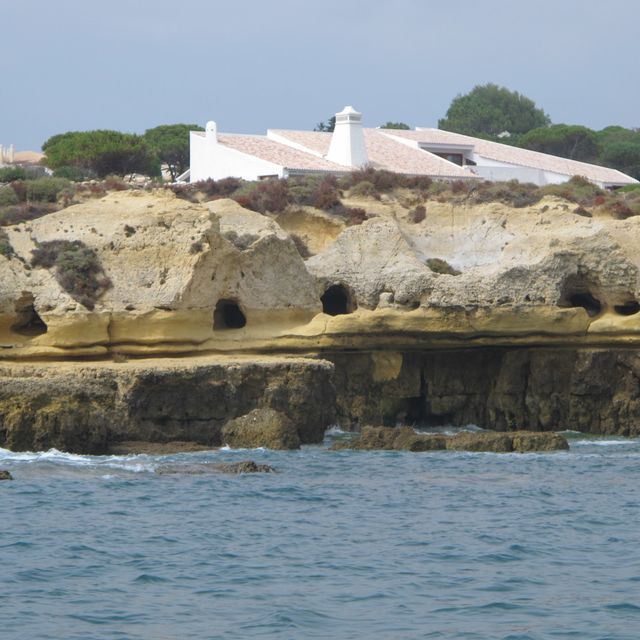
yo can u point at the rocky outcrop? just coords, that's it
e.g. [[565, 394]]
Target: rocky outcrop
[[246, 466], [5, 475], [261, 428], [92, 408], [406, 439]]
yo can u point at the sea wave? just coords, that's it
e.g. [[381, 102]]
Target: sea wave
[[617, 442]]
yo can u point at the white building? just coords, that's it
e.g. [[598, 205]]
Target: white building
[[430, 152]]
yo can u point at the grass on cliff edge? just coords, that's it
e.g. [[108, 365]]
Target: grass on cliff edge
[[327, 192], [22, 199]]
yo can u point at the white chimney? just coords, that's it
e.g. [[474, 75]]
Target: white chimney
[[211, 131], [347, 142]]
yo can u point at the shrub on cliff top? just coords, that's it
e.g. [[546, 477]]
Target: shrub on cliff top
[[512, 193], [8, 197], [9, 174], [5, 245], [46, 189], [438, 265], [24, 212], [578, 190], [77, 269], [266, 196]]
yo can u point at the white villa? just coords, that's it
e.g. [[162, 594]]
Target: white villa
[[430, 152]]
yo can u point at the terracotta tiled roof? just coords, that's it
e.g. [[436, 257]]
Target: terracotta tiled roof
[[516, 156], [384, 153], [278, 153]]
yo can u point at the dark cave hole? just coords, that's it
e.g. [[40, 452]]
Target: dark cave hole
[[628, 308], [29, 323], [336, 301], [228, 315], [591, 305]]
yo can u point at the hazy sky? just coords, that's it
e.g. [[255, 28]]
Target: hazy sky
[[253, 64]]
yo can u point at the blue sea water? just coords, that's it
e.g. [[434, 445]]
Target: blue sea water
[[337, 545]]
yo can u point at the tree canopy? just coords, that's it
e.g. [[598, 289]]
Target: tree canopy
[[329, 125], [101, 153], [568, 141], [489, 110], [395, 125], [170, 143]]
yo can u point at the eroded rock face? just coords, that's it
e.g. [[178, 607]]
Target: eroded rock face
[[91, 408], [589, 390]]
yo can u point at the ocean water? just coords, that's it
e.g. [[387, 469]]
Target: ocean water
[[337, 545]]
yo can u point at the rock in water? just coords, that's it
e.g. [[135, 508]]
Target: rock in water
[[261, 428], [481, 441], [406, 439], [5, 475], [245, 466]]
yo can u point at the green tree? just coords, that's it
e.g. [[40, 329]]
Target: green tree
[[395, 125], [170, 143], [329, 125], [568, 141], [488, 110], [620, 149], [624, 156], [101, 153]]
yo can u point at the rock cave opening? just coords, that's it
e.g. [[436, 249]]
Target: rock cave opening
[[578, 293], [629, 308], [228, 315], [337, 300], [28, 321]]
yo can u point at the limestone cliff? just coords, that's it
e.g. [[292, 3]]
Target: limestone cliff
[[503, 317]]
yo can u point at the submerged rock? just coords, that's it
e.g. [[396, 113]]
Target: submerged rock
[[263, 427], [5, 475], [154, 448], [245, 466], [406, 439]]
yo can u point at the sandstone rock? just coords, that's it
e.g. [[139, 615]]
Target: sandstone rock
[[68, 423], [246, 466], [393, 438], [5, 475], [524, 441], [100, 407], [481, 441], [406, 439], [262, 427]]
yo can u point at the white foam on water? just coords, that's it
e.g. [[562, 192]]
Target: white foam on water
[[449, 430], [335, 430], [52, 455], [135, 463], [606, 443], [226, 447]]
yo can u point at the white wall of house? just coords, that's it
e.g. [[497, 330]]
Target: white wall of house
[[497, 171], [211, 159]]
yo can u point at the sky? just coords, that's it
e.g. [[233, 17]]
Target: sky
[[75, 65]]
